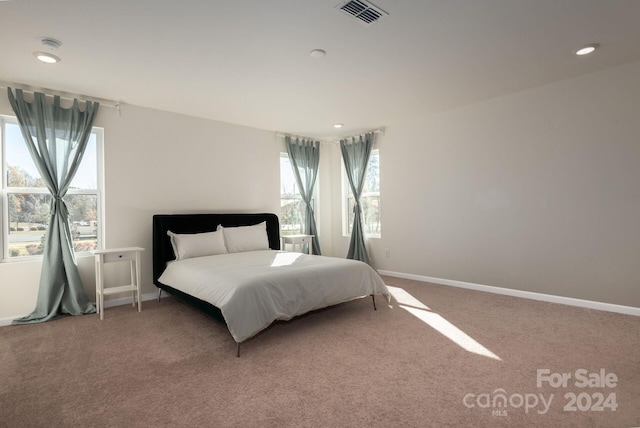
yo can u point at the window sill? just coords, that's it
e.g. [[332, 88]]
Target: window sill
[[38, 258]]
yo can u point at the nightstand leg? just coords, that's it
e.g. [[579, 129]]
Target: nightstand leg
[[138, 286], [133, 278], [101, 306], [99, 287]]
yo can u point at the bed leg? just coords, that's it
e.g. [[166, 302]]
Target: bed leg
[[238, 347], [373, 297], [159, 294]]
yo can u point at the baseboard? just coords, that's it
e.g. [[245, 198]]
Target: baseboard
[[6, 321], [127, 300], [107, 304], [590, 304]]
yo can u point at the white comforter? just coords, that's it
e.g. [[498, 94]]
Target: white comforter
[[253, 289]]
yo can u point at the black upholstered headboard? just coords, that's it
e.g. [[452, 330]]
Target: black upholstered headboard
[[197, 223]]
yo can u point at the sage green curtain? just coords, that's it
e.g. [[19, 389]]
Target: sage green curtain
[[305, 158], [355, 154], [56, 138]]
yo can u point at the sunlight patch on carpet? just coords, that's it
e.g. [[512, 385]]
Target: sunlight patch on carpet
[[403, 297], [418, 309]]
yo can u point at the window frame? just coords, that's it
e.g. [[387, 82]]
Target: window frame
[[6, 191], [347, 226]]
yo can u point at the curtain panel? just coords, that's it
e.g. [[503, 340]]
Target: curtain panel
[[304, 156], [355, 154], [56, 138]]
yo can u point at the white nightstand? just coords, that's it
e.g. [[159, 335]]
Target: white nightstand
[[297, 240], [131, 255]]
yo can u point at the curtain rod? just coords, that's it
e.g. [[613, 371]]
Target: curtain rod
[[63, 95], [375, 131], [283, 134]]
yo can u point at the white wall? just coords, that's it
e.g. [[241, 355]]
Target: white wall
[[158, 162], [536, 191]]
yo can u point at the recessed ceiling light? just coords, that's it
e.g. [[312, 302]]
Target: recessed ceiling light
[[586, 50], [338, 125], [47, 57], [318, 53]]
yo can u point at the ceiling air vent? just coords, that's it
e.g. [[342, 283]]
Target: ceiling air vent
[[363, 11]]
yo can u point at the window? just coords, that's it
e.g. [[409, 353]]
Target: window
[[292, 210], [26, 200], [369, 200], [292, 213]]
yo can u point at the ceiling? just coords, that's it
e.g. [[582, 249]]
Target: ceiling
[[249, 63]]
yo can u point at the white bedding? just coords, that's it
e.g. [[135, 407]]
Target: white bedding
[[255, 288]]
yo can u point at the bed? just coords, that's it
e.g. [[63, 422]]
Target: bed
[[230, 266]]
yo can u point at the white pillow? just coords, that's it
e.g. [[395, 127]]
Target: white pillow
[[246, 238], [190, 245]]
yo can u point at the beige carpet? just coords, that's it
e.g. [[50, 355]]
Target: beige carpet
[[437, 356]]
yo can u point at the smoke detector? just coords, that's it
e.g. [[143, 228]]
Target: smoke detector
[[47, 57], [366, 13]]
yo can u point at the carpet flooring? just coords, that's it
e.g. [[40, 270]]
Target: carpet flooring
[[436, 356]]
